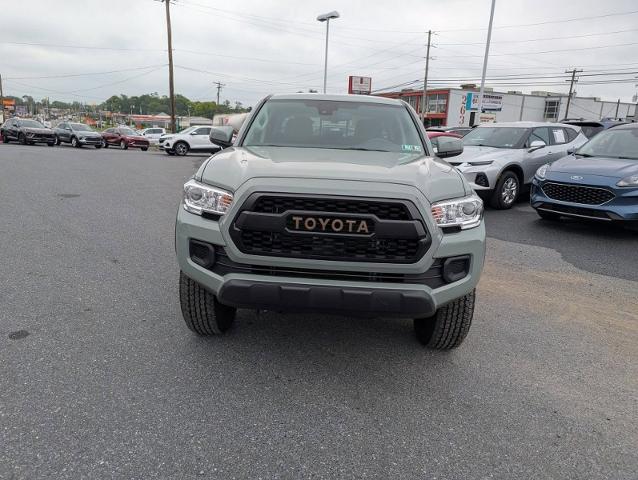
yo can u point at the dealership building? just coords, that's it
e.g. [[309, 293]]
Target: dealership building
[[459, 106]]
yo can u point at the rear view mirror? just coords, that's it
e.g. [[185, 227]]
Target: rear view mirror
[[222, 136], [449, 147]]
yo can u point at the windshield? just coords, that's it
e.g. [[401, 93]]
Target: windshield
[[335, 125], [614, 143], [31, 124], [187, 130], [499, 137], [80, 127], [127, 131]]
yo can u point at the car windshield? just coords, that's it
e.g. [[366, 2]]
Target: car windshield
[[499, 137], [614, 143], [187, 130], [127, 131], [80, 127], [31, 124], [335, 125]]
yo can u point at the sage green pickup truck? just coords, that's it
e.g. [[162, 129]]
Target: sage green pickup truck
[[331, 204]]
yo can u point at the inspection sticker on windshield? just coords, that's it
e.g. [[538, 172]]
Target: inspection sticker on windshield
[[411, 148]]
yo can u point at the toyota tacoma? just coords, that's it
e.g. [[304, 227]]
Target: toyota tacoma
[[332, 204]]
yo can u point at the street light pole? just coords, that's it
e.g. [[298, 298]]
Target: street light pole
[[487, 53], [326, 17]]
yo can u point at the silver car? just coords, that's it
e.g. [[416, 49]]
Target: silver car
[[500, 159]]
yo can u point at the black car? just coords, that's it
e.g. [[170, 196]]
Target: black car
[[77, 134], [593, 127], [26, 131]]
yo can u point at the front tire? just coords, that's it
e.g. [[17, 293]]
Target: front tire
[[5, 139], [57, 140], [22, 139], [144, 149], [449, 326], [506, 192], [51, 144], [75, 143], [180, 149], [123, 145], [202, 313]]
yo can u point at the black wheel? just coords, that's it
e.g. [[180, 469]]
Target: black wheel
[[22, 139], [105, 144], [202, 313], [123, 145], [57, 140], [144, 149], [51, 144], [75, 143], [449, 326], [180, 148], [170, 152], [98, 145], [548, 215], [5, 139], [506, 192]]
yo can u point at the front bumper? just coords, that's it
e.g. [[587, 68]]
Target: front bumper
[[40, 138], [91, 141], [278, 283], [480, 177], [623, 207]]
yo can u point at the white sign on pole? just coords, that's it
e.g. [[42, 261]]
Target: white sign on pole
[[359, 85], [491, 102]]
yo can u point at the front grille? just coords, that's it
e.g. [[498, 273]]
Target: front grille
[[577, 193], [383, 210], [401, 245], [433, 277]]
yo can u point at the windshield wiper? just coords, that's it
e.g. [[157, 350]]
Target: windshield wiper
[[586, 155], [363, 149]]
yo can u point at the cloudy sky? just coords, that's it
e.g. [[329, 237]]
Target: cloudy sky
[[257, 47]]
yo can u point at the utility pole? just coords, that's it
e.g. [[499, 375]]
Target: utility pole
[[571, 89], [171, 85], [487, 54], [424, 103], [219, 89], [617, 108]]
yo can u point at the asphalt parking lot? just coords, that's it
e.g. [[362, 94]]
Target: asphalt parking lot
[[100, 377]]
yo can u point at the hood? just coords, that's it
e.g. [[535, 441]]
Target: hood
[[88, 134], [600, 166], [37, 130], [472, 153], [435, 178]]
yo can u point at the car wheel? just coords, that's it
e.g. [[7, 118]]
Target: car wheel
[[506, 191], [170, 152], [180, 148], [57, 140], [548, 215], [449, 325], [202, 313], [75, 143], [5, 139], [105, 144], [51, 144], [22, 139], [144, 149], [123, 145]]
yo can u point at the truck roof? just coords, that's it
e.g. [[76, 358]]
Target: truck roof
[[337, 98]]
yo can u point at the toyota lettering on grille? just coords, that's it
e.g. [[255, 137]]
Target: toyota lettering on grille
[[304, 223]]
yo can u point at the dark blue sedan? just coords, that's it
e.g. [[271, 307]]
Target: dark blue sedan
[[598, 182]]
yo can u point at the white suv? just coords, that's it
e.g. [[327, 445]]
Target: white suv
[[153, 134], [193, 139]]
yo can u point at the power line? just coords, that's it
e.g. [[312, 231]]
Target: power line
[[70, 75], [542, 39]]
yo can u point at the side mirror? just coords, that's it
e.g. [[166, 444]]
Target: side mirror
[[536, 145], [571, 151], [222, 136], [449, 147]]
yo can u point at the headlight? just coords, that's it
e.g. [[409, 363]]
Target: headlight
[[631, 181], [465, 212], [542, 171], [199, 198], [482, 162]]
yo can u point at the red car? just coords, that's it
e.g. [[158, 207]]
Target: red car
[[124, 138], [434, 138]]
